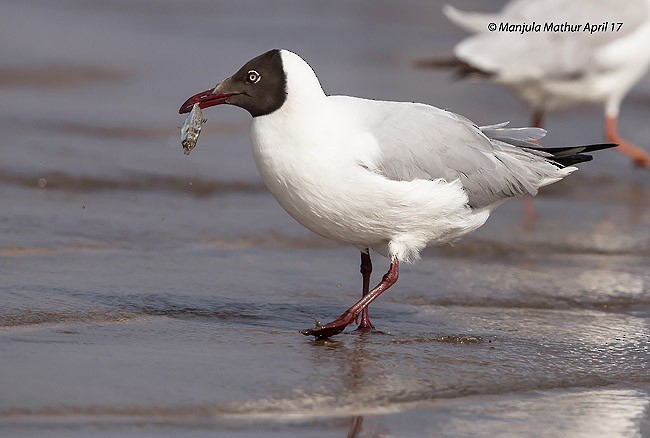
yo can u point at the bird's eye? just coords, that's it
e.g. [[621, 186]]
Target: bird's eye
[[253, 77]]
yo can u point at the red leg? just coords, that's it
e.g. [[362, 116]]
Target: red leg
[[366, 270], [339, 324], [640, 157]]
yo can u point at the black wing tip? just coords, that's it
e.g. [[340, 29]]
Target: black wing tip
[[438, 62], [557, 150], [573, 159], [599, 146], [461, 69], [562, 159]]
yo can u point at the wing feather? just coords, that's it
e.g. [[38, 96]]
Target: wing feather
[[417, 141]]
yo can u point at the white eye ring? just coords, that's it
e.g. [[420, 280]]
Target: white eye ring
[[253, 77]]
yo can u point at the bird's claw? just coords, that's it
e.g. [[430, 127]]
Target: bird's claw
[[365, 325], [330, 329], [323, 332]]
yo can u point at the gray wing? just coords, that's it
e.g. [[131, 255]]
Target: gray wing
[[546, 54], [418, 141]]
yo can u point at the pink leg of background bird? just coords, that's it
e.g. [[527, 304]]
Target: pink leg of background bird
[[528, 204], [640, 157]]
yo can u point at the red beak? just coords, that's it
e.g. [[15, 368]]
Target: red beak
[[205, 99]]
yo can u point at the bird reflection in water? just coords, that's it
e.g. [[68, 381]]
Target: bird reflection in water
[[359, 368]]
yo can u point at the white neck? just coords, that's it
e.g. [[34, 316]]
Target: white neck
[[303, 88]]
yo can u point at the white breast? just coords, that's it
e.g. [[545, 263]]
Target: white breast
[[299, 163]]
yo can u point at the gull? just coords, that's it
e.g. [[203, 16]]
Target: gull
[[582, 52], [394, 177]]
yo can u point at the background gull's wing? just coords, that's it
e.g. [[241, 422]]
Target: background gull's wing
[[537, 55]]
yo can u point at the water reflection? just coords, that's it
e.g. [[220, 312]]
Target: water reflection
[[577, 414], [356, 427], [356, 365]]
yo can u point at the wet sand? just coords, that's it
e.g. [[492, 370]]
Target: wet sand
[[146, 293]]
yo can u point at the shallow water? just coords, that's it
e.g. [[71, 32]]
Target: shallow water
[[145, 293]]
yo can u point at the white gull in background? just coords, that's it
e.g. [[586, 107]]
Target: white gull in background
[[556, 70], [394, 177]]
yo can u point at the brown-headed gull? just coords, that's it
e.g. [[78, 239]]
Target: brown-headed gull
[[556, 54], [394, 177]]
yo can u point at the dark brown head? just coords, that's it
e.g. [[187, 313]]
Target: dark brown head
[[259, 87]]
